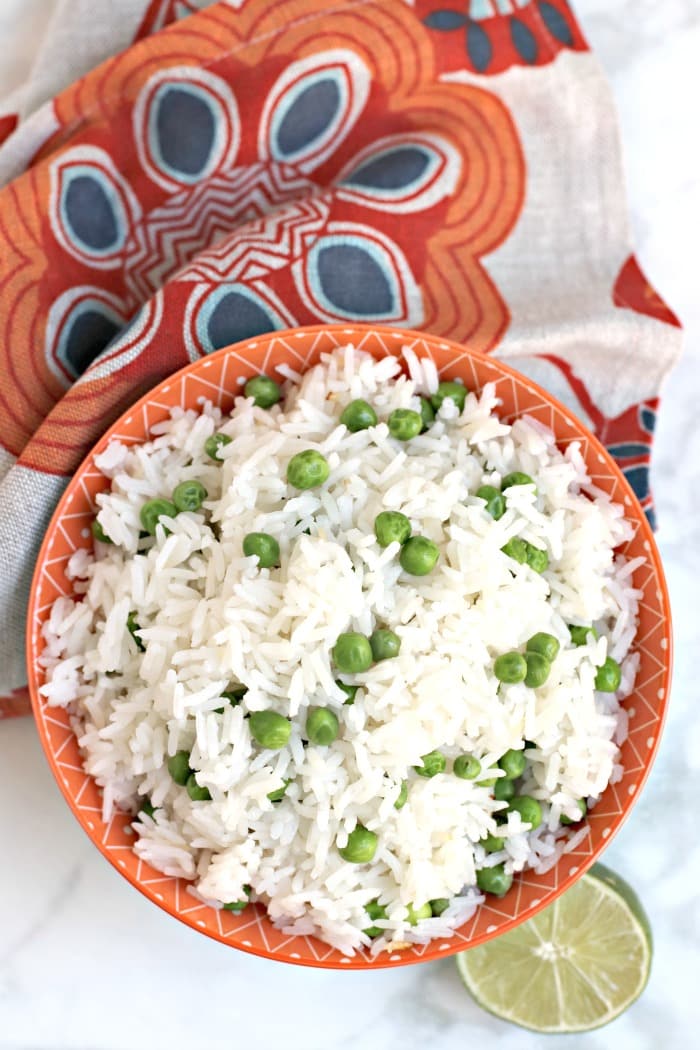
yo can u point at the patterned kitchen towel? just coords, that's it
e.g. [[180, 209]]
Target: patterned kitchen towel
[[262, 164]]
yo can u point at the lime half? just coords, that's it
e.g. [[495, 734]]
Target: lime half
[[575, 966]]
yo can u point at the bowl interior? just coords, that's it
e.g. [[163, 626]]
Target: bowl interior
[[218, 378]]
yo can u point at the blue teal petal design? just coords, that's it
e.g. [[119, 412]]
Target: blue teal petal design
[[394, 169], [647, 417], [628, 450], [87, 330], [638, 478], [523, 40], [445, 20], [311, 113], [91, 213], [555, 23], [651, 517], [353, 281], [89, 334], [186, 126], [185, 130], [237, 317], [231, 313], [479, 47]]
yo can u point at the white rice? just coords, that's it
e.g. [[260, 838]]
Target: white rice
[[210, 617]]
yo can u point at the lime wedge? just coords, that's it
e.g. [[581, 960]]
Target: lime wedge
[[575, 966]]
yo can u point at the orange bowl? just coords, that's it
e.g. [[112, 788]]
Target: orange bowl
[[217, 377]]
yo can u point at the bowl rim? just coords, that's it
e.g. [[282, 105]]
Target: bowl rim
[[633, 511]]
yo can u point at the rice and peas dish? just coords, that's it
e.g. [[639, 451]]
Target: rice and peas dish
[[355, 651]]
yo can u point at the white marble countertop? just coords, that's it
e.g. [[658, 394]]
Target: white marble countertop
[[86, 962]]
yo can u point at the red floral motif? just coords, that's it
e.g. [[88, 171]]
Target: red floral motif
[[8, 123], [255, 217], [161, 13], [628, 437], [633, 292], [487, 37], [18, 703]]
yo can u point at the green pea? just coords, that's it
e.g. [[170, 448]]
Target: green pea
[[374, 931], [152, 511], [516, 478], [427, 413], [232, 696], [270, 729], [384, 644], [322, 726], [264, 391], [608, 676], [361, 846], [538, 668], [189, 495], [358, 415], [349, 690], [352, 653], [402, 796], [510, 668], [375, 910], [235, 694], [278, 794], [99, 533], [214, 443], [537, 559], [419, 556], [583, 809], [308, 469], [132, 626], [496, 880], [390, 526], [495, 503], [466, 767], [196, 792], [503, 789], [433, 763], [439, 905], [543, 643], [179, 767], [264, 547], [416, 914], [516, 549], [513, 764], [146, 807], [493, 844], [405, 424], [489, 783], [237, 906], [529, 809], [579, 635], [455, 391]]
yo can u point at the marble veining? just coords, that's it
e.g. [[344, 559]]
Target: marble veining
[[86, 963]]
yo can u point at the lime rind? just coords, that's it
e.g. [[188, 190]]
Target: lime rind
[[618, 884], [574, 967]]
